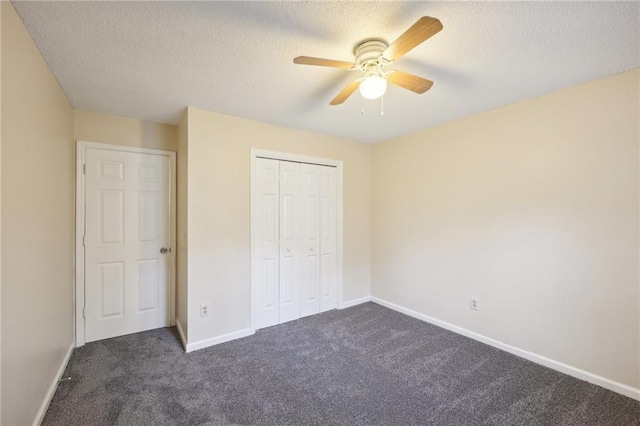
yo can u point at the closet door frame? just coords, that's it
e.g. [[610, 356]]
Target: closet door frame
[[284, 156]]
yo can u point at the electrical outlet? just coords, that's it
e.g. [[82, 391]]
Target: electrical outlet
[[474, 304], [204, 310]]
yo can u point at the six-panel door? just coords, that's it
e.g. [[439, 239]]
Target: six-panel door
[[127, 220]]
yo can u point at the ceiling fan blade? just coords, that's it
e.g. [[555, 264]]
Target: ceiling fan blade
[[424, 28], [346, 92], [409, 81], [307, 60]]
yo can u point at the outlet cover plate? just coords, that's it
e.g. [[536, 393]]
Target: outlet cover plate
[[204, 310], [474, 304]]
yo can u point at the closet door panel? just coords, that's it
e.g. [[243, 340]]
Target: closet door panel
[[328, 238], [289, 251], [267, 249], [309, 231]]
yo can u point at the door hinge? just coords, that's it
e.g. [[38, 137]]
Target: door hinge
[[84, 169], [84, 240], [84, 312]]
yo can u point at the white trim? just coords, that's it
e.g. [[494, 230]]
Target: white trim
[[217, 340], [354, 302], [285, 156], [181, 333], [78, 288], [614, 386], [78, 293], [52, 388]]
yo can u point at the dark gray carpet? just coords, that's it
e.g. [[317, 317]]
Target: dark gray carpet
[[362, 365]]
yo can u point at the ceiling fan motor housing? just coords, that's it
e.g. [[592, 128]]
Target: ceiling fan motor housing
[[368, 53]]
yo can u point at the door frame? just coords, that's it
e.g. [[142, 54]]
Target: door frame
[[285, 156], [79, 287]]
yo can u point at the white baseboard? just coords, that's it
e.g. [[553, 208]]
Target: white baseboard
[[617, 387], [52, 388], [355, 302], [183, 338], [217, 340]]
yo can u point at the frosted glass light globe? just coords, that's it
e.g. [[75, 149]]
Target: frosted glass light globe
[[373, 86]]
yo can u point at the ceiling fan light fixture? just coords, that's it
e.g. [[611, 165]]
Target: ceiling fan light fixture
[[373, 86], [372, 55]]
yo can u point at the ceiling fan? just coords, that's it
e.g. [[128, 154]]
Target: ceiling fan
[[371, 58]]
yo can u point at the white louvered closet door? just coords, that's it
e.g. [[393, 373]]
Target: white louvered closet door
[[296, 237]]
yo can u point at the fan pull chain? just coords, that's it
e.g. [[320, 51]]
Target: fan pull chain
[[362, 108], [382, 105]]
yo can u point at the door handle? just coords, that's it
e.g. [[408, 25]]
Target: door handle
[[163, 250]]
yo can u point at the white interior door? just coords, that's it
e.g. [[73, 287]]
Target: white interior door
[[290, 255], [309, 237], [127, 237], [267, 240], [328, 238]]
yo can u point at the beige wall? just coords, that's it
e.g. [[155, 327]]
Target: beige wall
[[182, 251], [37, 218], [531, 208], [219, 213], [104, 128]]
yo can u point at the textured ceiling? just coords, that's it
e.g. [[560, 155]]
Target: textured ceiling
[[151, 59]]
